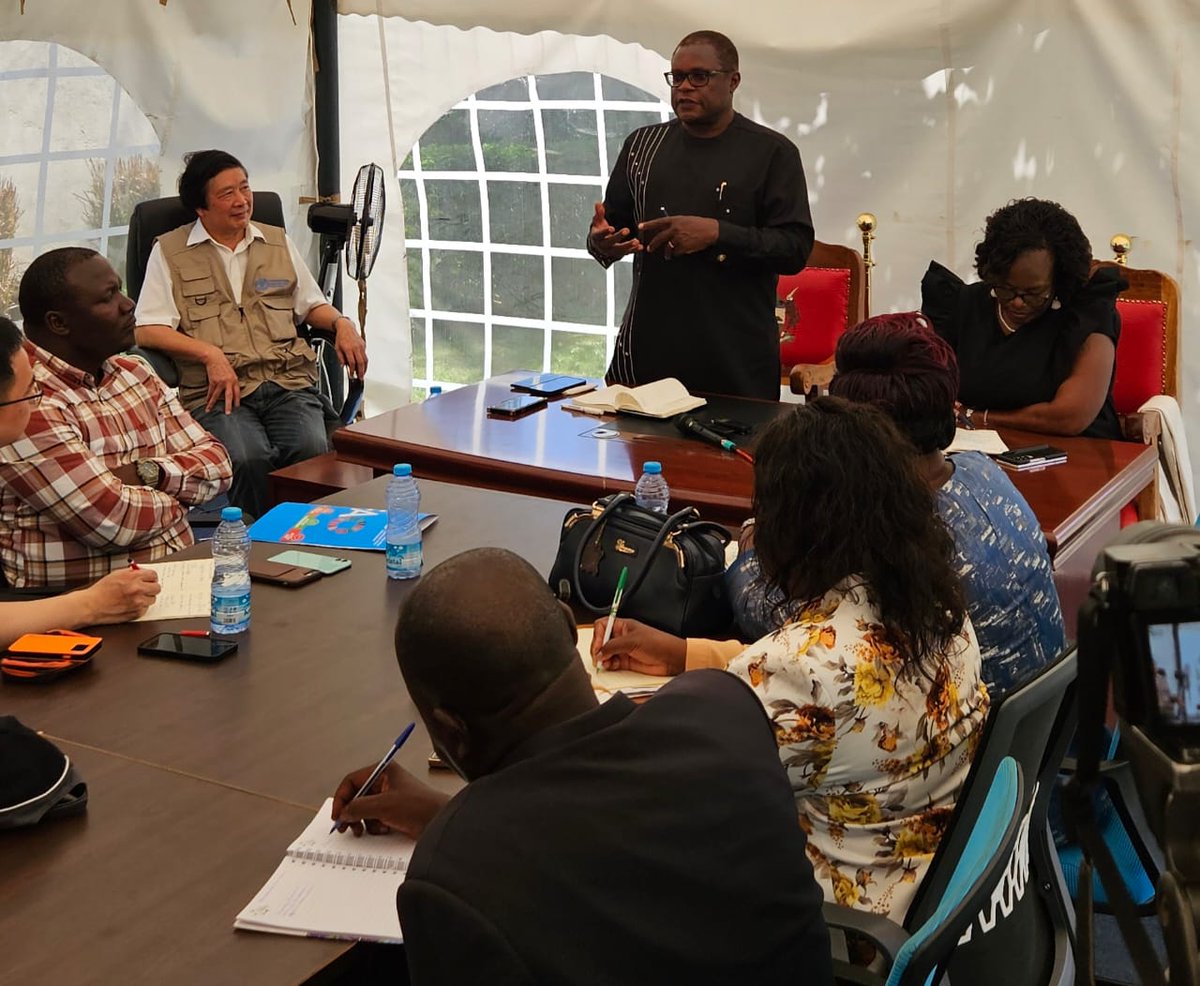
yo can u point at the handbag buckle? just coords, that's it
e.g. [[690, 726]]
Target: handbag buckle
[[669, 542], [623, 548]]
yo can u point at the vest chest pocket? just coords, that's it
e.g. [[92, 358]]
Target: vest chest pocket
[[277, 311]]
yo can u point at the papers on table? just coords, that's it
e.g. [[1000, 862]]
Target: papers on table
[[186, 590], [979, 440], [606, 684]]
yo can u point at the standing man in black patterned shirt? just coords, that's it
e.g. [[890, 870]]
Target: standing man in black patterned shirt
[[713, 207]]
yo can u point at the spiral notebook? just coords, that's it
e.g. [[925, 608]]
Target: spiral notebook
[[333, 885]]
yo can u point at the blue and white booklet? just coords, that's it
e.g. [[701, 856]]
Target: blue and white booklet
[[327, 526]]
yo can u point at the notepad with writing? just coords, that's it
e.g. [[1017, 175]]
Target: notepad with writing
[[662, 399], [333, 885], [606, 684]]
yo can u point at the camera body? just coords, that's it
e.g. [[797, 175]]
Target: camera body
[[1154, 592]]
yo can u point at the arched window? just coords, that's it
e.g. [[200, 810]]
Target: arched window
[[498, 196], [76, 155]]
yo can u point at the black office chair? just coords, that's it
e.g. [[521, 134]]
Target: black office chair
[[152, 218], [1025, 933]]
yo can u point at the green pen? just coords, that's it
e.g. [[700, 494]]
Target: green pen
[[612, 613]]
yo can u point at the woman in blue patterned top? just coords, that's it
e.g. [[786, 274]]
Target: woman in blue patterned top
[[899, 364]]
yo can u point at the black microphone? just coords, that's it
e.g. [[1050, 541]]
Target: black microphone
[[687, 424]]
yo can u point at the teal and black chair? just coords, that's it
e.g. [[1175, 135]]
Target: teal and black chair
[[1021, 929]]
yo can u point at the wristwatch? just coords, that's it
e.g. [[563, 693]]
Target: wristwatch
[[149, 472]]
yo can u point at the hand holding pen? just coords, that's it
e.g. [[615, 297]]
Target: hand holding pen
[[612, 613], [371, 778]]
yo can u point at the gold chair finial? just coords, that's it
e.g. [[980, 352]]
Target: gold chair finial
[[1121, 245], [866, 224]]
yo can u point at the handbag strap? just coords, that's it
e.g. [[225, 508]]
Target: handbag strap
[[668, 525]]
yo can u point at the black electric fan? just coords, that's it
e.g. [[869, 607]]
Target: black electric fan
[[366, 234]]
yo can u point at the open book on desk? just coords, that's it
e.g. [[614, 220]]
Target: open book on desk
[[606, 684], [662, 399], [332, 885]]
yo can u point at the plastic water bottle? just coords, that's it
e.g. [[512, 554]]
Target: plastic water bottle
[[652, 491], [231, 574], [434, 391], [404, 555]]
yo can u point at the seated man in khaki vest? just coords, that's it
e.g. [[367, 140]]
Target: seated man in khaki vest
[[223, 296]]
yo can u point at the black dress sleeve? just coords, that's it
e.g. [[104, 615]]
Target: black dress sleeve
[[1095, 307], [941, 297], [618, 201]]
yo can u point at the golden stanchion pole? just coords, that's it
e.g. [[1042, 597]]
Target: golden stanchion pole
[[1121, 245]]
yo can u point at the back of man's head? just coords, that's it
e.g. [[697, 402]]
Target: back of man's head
[[199, 168], [44, 285], [482, 636]]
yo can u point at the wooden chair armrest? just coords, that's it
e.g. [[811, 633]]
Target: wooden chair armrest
[[811, 379], [1141, 426]]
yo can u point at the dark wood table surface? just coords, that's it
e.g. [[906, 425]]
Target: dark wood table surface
[[201, 775], [553, 452]]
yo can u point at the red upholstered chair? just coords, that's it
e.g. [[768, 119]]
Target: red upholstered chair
[[1147, 353], [819, 304]]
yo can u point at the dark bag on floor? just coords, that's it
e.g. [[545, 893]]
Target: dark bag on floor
[[676, 564], [37, 780]]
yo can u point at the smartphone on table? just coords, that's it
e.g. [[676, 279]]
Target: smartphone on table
[[275, 573], [192, 646], [516, 407], [549, 384], [1032, 457]]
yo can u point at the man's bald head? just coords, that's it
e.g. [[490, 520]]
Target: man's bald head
[[482, 634]]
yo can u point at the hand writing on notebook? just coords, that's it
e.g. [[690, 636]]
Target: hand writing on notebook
[[397, 802], [637, 647]]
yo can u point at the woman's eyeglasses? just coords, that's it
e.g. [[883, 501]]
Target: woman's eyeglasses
[[1030, 299], [698, 78], [33, 398]]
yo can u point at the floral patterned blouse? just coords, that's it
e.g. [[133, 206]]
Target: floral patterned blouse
[[876, 754]]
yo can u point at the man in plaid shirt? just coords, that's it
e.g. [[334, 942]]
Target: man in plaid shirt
[[110, 460]]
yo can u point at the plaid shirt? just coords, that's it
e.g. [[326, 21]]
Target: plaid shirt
[[64, 517]]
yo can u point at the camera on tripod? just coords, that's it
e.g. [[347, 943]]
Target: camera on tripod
[[1140, 630]]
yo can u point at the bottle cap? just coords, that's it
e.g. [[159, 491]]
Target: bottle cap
[[402, 469], [654, 468], [434, 390], [231, 513]]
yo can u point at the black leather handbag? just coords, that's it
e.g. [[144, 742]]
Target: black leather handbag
[[676, 564]]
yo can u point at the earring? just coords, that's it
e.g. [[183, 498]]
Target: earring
[[1055, 305], [992, 292]]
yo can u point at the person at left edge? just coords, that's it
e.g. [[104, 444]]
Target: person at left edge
[[222, 296], [110, 460], [713, 208]]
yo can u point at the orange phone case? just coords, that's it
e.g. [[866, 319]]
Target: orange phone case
[[57, 643]]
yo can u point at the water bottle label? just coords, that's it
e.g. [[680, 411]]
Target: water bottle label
[[229, 611], [404, 558]]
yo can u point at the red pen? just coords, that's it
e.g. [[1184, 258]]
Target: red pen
[[193, 633]]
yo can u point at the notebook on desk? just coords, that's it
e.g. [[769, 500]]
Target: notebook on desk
[[661, 399], [333, 885], [327, 526]]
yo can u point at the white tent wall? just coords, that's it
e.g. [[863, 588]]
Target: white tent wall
[[930, 114], [206, 75]]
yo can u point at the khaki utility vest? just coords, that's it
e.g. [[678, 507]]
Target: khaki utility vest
[[259, 335]]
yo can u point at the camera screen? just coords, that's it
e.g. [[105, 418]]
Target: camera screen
[[1175, 654]]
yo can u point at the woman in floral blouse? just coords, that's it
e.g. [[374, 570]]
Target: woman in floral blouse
[[873, 684]]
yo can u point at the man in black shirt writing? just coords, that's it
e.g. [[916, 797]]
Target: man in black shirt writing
[[713, 207]]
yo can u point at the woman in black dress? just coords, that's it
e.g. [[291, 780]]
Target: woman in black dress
[[1036, 337]]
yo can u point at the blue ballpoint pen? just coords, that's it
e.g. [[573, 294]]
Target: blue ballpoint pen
[[387, 759]]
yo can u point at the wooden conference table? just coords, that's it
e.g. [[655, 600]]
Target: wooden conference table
[[201, 775], [555, 452]]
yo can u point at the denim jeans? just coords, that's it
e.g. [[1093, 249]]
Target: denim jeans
[[271, 428]]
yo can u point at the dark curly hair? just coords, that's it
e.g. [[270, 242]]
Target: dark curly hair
[[899, 364], [10, 342], [1035, 224], [727, 53], [837, 494], [199, 168]]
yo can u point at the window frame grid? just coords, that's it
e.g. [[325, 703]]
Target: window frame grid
[[425, 315], [112, 151]]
